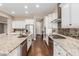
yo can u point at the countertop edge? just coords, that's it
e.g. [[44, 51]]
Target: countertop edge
[[59, 43], [7, 52]]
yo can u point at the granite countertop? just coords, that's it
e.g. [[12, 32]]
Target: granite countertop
[[9, 42], [70, 45]]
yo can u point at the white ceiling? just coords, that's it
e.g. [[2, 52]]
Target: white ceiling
[[18, 8]]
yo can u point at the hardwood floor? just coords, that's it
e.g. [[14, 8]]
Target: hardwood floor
[[39, 48]]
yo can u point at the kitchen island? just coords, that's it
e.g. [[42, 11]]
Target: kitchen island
[[69, 45], [9, 43]]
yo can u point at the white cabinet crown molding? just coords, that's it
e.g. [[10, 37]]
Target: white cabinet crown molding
[[63, 4]]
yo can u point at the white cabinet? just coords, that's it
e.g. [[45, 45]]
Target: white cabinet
[[75, 15], [65, 9], [29, 41], [18, 24], [21, 50], [70, 15], [3, 19], [59, 51], [15, 52]]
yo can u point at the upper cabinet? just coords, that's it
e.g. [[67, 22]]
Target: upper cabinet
[[18, 24], [70, 15], [65, 15], [3, 19], [75, 15]]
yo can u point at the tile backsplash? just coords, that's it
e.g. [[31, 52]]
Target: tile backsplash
[[64, 31], [72, 32]]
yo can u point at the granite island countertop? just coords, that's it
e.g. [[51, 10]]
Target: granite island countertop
[[70, 45], [9, 42]]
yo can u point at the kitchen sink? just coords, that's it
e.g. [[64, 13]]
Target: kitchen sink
[[58, 36]]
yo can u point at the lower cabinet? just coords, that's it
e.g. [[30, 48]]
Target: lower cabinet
[[59, 51], [29, 41], [21, 50], [24, 48], [15, 52]]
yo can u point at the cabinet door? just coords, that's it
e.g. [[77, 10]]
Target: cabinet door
[[65, 16], [15, 52], [3, 19], [29, 41], [59, 51], [75, 15], [55, 49], [24, 48]]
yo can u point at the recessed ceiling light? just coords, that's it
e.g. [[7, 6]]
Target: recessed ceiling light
[[13, 12], [26, 12], [37, 6], [0, 4], [25, 7]]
